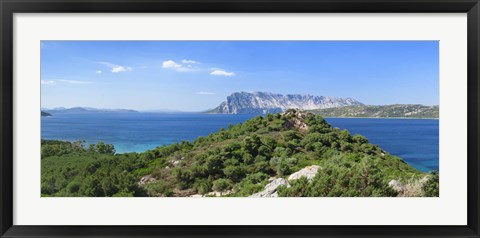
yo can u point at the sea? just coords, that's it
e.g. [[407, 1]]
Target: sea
[[416, 141]]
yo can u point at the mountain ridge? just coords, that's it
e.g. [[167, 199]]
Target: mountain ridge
[[266, 102]]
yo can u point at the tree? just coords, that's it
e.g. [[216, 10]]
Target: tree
[[431, 187], [222, 184], [252, 143], [290, 135], [103, 148], [345, 136], [235, 173], [282, 166], [202, 186], [359, 139]]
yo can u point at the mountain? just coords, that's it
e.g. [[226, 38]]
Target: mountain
[[385, 111], [46, 114], [293, 154], [77, 110], [264, 103]]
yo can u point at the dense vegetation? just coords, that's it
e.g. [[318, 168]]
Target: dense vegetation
[[387, 111], [237, 161]]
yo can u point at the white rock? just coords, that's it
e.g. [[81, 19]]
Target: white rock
[[271, 188], [396, 185], [146, 179], [309, 172], [219, 194], [196, 196]]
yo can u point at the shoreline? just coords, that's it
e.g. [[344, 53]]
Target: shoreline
[[253, 114], [122, 150], [410, 118], [416, 118]]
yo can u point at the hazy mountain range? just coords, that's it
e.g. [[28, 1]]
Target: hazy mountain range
[[265, 102], [77, 110]]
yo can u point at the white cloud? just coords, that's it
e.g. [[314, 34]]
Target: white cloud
[[74, 81], [98, 72], [187, 65], [119, 68], [221, 72], [205, 93], [170, 64], [186, 61], [116, 68], [47, 82]]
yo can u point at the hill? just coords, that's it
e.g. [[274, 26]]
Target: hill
[[264, 103], [385, 111], [294, 153], [46, 114]]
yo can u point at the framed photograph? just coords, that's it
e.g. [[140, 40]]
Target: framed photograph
[[239, 118]]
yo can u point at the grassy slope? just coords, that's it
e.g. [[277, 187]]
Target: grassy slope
[[239, 159], [387, 111]]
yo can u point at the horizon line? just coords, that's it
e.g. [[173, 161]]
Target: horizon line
[[196, 111]]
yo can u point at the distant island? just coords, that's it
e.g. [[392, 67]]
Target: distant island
[[384, 111], [265, 102], [46, 114], [77, 110]]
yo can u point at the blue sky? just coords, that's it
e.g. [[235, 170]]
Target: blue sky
[[199, 75]]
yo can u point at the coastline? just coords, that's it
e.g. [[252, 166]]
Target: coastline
[[411, 118], [130, 147], [416, 118]]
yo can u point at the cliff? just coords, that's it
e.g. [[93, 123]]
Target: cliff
[[264, 103]]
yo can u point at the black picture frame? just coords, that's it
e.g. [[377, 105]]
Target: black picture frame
[[9, 7]]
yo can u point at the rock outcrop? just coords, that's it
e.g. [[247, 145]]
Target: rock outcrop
[[411, 188], [146, 179], [297, 119], [396, 185], [309, 172], [271, 188]]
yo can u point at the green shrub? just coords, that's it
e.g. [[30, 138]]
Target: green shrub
[[222, 185], [431, 186], [202, 186]]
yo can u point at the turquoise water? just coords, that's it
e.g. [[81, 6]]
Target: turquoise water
[[415, 141]]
